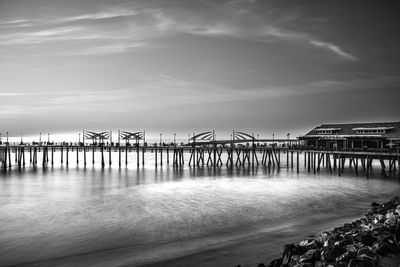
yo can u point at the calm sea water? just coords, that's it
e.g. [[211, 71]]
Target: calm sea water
[[127, 216]]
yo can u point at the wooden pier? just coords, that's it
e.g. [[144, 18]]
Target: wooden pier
[[199, 154]]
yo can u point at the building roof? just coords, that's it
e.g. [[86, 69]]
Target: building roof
[[349, 129]]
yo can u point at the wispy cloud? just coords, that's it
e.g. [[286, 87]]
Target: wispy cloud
[[108, 49], [333, 48], [112, 13], [262, 30], [142, 24], [13, 22], [41, 36]]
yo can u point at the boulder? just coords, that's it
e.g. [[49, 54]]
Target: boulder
[[331, 253], [299, 250], [310, 256], [347, 256], [287, 254], [320, 264], [387, 245], [314, 244], [360, 263], [397, 210], [375, 204], [395, 201], [276, 263], [367, 239], [391, 219]]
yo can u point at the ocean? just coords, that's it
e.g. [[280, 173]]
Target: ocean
[[166, 216]]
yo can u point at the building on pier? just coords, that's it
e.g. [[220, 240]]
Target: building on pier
[[354, 136]]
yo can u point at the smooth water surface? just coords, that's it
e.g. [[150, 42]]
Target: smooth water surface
[[171, 217]]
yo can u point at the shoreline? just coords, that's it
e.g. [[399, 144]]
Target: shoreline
[[372, 240]]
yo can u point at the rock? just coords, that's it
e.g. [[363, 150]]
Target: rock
[[295, 260], [314, 244], [261, 265], [310, 256], [347, 256], [375, 204], [287, 254], [276, 263], [397, 210], [305, 243], [391, 219], [360, 263], [368, 239], [395, 201], [322, 237], [347, 227], [320, 264], [299, 250], [365, 251], [331, 253], [306, 264], [355, 244], [387, 245], [351, 248]]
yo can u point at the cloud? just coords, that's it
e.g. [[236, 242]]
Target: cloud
[[333, 48], [41, 36], [12, 22], [106, 14], [255, 29], [143, 24], [108, 49]]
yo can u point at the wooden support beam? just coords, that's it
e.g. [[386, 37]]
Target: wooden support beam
[[219, 160], [137, 155], [314, 163], [143, 151], [161, 154], [109, 155], [356, 165], [155, 153], [320, 158], [62, 154], [291, 160], [167, 156], [126, 154], [383, 167], [238, 151]]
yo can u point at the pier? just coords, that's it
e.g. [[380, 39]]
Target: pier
[[243, 150]]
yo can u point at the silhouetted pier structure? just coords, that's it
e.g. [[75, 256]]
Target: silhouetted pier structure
[[201, 150]]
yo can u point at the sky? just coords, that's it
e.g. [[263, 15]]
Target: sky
[[168, 66]]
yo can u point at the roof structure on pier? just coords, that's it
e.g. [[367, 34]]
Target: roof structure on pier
[[388, 130]]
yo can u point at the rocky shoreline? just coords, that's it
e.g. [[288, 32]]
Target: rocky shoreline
[[373, 240]]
